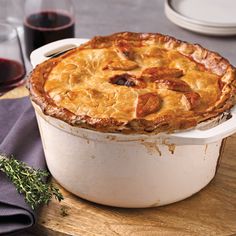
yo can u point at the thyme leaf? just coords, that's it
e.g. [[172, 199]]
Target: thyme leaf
[[29, 181], [64, 211]]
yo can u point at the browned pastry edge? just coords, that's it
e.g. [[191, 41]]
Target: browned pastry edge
[[211, 61]]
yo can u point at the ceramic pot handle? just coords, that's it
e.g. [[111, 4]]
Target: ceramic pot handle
[[54, 49], [211, 135]]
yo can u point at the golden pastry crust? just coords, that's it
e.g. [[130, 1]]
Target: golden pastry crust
[[134, 83]]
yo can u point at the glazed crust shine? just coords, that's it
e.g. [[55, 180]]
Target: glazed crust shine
[[134, 83]]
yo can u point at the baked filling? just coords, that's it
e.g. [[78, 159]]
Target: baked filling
[[134, 83]]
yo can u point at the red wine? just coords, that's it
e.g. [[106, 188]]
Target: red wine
[[45, 27], [11, 72]]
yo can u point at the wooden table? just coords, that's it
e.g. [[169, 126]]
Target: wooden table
[[212, 211]]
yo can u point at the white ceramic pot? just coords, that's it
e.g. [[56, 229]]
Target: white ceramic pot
[[128, 170]]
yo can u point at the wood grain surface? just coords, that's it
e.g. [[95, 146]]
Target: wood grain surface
[[212, 211]]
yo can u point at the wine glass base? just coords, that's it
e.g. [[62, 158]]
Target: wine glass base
[[7, 88]]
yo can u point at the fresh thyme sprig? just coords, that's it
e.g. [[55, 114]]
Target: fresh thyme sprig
[[29, 181]]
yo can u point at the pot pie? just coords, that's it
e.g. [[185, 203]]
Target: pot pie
[[134, 83]]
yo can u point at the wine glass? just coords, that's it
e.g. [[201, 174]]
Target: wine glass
[[12, 67], [11, 12], [47, 21]]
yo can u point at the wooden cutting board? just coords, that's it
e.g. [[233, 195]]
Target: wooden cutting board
[[212, 211]]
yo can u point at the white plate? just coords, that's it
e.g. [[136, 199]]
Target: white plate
[[213, 17]]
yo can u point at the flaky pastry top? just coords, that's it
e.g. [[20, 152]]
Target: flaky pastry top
[[134, 83]]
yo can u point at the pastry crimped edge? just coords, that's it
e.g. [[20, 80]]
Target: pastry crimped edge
[[212, 62]]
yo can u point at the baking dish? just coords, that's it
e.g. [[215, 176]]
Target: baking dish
[[128, 170]]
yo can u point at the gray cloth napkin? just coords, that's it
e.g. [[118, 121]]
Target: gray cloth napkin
[[19, 136]]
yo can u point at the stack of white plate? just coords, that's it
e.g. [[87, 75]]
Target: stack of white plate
[[212, 17]]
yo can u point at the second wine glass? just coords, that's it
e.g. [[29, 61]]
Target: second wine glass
[[47, 21], [12, 68]]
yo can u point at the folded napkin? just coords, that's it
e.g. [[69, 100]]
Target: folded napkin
[[19, 136]]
